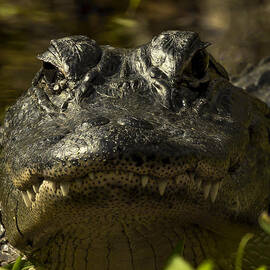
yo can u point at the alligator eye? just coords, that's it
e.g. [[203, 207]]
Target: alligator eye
[[50, 72], [199, 63]]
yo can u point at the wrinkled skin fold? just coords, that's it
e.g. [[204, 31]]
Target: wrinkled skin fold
[[113, 156]]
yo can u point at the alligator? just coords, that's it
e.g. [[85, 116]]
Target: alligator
[[114, 155]]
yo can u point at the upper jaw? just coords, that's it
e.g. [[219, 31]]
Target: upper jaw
[[111, 146], [203, 176], [164, 162]]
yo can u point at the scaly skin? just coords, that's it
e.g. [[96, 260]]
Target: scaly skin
[[114, 155]]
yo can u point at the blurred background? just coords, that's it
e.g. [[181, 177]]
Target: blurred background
[[239, 30]]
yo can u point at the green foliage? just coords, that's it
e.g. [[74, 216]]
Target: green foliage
[[206, 265], [264, 221], [19, 264], [263, 267], [134, 4], [240, 252], [178, 263], [178, 251]]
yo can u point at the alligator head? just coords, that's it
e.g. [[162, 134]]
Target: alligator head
[[114, 155]]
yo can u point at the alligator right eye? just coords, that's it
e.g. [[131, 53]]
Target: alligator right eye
[[199, 63], [50, 72]]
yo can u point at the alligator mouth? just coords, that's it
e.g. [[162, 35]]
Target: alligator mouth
[[126, 181]]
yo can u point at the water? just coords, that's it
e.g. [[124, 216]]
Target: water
[[238, 29]]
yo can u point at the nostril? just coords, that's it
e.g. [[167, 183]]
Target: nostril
[[55, 139], [98, 121], [1, 135]]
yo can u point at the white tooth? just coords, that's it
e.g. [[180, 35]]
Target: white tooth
[[26, 199], [206, 190], [178, 179], [92, 176], [31, 195], [53, 186], [214, 191], [36, 187], [145, 179], [199, 183], [162, 186], [130, 176], [64, 188]]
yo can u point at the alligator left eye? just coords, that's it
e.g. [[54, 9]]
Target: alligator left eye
[[199, 63], [49, 72]]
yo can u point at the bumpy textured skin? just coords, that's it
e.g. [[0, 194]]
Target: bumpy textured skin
[[117, 150]]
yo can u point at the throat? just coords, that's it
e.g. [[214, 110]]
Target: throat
[[115, 246], [120, 245]]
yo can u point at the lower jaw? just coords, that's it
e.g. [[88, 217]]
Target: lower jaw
[[122, 248], [137, 247], [150, 228], [110, 198], [131, 233]]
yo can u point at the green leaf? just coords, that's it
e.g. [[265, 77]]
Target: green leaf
[[17, 264], [263, 267], [178, 263], [179, 249], [134, 4], [264, 221], [177, 252], [206, 265], [240, 251], [27, 267]]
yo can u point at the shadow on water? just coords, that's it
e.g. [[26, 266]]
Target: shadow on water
[[238, 29]]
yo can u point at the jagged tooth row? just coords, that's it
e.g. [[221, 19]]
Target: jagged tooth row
[[145, 180], [36, 187], [29, 196], [178, 179], [161, 184], [212, 189], [26, 199], [162, 187], [64, 188], [208, 188]]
